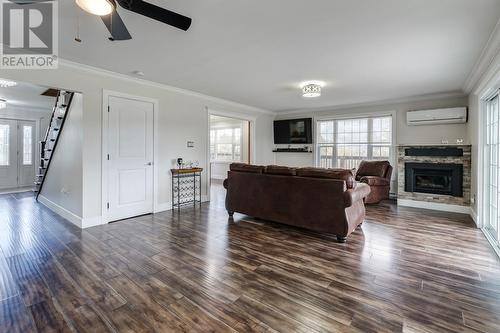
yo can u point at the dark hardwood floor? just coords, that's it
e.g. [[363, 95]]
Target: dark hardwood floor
[[405, 270]]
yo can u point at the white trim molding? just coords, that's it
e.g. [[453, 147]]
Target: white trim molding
[[63, 212], [489, 53], [374, 103], [108, 73]]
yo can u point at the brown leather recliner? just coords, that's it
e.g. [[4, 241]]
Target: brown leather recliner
[[323, 200], [377, 174]]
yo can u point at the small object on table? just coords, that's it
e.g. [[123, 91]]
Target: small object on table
[[186, 187]]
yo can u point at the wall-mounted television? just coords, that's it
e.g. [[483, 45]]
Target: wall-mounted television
[[293, 131]]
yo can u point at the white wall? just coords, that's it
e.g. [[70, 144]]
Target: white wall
[[182, 117], [489, 81], [405, 134], [64, 179]]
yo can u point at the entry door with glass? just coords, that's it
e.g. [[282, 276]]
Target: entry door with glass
[[492, 168], [17, 153]]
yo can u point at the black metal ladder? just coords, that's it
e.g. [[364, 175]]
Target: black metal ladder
[[54, 130]]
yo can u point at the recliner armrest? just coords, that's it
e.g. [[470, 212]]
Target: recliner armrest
[[375, 181], [353, 195], [225, 183]]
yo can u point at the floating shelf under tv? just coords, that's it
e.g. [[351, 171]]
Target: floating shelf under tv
[[291, 150]]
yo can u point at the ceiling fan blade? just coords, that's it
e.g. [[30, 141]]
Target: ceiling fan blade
[[157, 13], [116, 27]]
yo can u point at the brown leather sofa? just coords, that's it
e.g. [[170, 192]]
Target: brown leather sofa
[[377, 174], [323, 200]]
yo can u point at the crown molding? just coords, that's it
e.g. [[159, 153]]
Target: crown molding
[[120, 76], [427, 97], [489, 53]]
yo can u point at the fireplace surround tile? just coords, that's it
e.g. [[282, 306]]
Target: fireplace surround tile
[[465, 160]]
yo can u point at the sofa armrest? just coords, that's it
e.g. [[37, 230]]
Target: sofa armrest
[[359, 193], [375, 181], [225, 183]]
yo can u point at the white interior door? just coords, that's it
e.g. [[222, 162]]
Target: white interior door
[[8, 154], [26, 132], [130, 164]]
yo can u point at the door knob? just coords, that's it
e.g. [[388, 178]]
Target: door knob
[[149, 163]]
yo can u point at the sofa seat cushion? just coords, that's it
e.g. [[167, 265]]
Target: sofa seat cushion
[[242, 167], [341, 174], [374, 181], [372, 168], [280, 170]]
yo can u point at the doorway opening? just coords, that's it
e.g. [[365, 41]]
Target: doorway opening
[[230, 141], [25, 113]]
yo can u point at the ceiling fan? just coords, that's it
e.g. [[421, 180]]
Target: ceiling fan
[[106, 9]]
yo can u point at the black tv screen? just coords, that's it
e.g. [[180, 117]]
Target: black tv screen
[[293, 131]]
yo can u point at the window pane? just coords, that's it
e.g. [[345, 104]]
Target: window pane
[[4, 145], [350, 141], [27, 145]]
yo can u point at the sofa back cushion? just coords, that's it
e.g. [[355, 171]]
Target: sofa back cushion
[[242, 167], [280, 170], [372, 168], [340, 174]]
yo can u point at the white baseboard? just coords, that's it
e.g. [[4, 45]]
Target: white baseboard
[[435, 206], [63, 212], [475, 218]]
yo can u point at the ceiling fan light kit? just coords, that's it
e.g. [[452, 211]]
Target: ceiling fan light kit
[[97, 7]]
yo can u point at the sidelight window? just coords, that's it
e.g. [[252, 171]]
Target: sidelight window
[[4, 144]]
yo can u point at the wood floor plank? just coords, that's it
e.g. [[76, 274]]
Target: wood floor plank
[[404, 270]]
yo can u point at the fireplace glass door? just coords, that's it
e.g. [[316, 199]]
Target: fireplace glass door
[[492, 171]]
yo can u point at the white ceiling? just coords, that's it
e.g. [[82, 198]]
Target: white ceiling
[[27, 96], [257, 52]]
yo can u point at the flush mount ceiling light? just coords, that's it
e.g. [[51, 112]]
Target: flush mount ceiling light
[[97, 7], [7, 83], [311, 89], [3, 103]]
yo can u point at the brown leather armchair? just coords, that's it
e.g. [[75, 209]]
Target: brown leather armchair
[[377, 174]]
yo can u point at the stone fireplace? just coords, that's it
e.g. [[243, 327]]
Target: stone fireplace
[[434, 175]]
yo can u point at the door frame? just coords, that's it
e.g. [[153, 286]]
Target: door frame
[[233, 115], [36, 152], [106, 94]]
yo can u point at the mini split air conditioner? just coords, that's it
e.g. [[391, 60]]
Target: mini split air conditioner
[[437, 116]]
